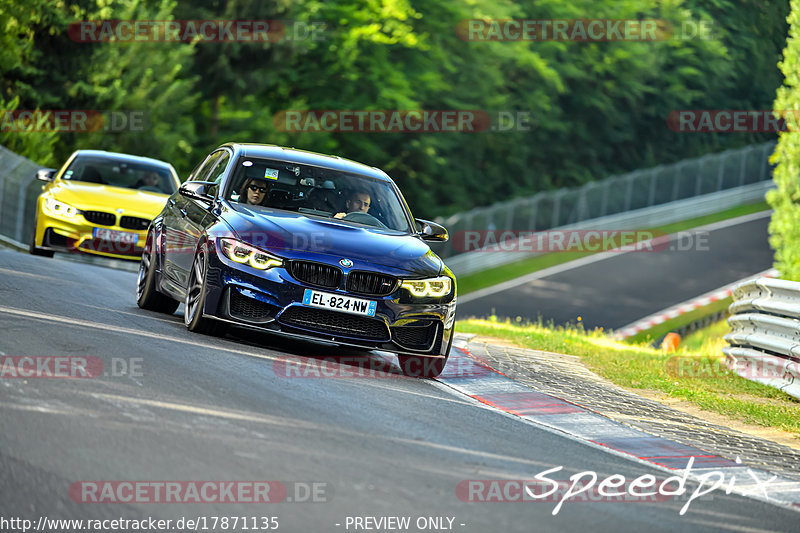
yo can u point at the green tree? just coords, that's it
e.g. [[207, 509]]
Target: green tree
[[784, 226]]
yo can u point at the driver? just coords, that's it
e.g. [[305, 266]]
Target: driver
[[149, 179], [357, 202]]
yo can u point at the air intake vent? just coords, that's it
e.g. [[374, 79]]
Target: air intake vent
[[335, 323]]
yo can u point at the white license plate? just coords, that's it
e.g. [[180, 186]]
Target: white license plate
[[110, 235], [346, 304]]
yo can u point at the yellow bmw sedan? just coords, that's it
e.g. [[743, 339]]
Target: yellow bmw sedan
[[100, 203]]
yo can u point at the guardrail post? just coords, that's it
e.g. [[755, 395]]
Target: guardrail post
[[701, 174], [2, 188], [651, 195], [557, 208], [534, 211], [743, 167], [604, 197], [765, 153], [676, 181], [628, 192], [510, 215], [720, 172], [23, 194]]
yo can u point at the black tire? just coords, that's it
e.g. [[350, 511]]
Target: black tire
[[147, 296], [420, 366], [35, 250], [196, 299]]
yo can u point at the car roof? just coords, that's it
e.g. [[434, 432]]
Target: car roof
[[305, 157], [117, 156]]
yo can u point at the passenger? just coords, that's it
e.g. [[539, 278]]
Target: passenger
[[254, 191]]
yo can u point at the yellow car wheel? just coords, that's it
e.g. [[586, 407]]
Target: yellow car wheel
[[32, 248]]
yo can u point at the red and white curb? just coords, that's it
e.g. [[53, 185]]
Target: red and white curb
[[682, 308], [469, 376]]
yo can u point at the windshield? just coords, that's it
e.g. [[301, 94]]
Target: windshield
[[129, 175], [316, 191]]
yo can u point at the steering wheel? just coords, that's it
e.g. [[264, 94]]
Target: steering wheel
[[363, 218], [150, 188]]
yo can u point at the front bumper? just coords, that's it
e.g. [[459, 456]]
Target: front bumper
[[272, 300], [78, 235]]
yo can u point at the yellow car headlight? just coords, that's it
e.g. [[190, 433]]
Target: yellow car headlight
[[54, 208], [239, 252], [428, 288]]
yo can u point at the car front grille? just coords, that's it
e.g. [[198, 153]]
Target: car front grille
[[370, 283], [134, 223], [418, 336], [100, 217], [317, 274], [249, 309], [335, 323]]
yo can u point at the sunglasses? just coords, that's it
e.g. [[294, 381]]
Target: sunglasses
[[256, 188]]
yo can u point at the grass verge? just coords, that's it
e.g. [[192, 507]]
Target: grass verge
[[493, 276], [695, 373]]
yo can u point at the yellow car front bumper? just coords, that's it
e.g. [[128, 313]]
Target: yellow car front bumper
[[77, 234]]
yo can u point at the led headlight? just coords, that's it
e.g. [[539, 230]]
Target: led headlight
[[427, 288], [54, 208], [240, 252]]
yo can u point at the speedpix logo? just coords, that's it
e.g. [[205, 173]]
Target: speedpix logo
[[587, 486]]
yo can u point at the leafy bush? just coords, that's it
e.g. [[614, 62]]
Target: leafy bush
[[784, 227]]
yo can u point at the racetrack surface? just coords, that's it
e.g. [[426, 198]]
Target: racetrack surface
[[204, 408], [624, 287]]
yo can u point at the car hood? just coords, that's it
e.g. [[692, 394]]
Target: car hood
[[292, 235], [96, 197]]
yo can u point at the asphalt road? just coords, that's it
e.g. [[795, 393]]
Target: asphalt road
[[202, 408], [625, 287]]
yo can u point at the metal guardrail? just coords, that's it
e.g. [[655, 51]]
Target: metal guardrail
[[617, 194], [765, 333], [18, 192], [639, 219]]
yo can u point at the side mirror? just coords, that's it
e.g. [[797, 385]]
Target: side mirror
[[431, 231], [198, 190], [45, 174]]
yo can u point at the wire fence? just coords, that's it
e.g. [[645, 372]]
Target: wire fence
[[545, 210], [617, 194], [18, 192]]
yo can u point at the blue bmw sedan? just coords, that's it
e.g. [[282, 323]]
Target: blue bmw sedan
[[302, 244]]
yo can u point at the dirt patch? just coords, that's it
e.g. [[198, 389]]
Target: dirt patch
[[775, 435]]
